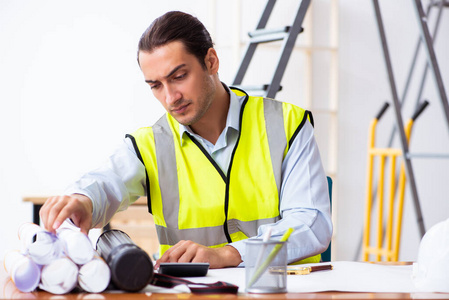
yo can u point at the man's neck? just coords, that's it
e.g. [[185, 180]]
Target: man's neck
[[211, 125]]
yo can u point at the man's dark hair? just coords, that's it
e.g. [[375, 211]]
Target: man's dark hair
[[177, 26]]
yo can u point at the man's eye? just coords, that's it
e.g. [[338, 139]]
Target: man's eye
[[180, 76], [154, 86]]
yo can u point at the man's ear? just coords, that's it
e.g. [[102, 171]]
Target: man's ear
[[211, 61]]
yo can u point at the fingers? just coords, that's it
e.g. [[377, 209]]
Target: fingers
[[183, 251], [50, 210], [188, 251], [82, 212], [57, 209], [85, 225]]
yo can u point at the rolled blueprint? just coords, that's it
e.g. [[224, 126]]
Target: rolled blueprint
[[27, 234], [41, 245], [60, 276], [76, 245], [94, 276], [8, 290], [24, 272], [131, 267]]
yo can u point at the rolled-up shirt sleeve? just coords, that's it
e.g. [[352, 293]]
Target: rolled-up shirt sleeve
[[118, 183], [304, 201]]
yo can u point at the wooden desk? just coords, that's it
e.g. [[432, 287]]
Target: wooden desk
[[288, 296], [9, 291]]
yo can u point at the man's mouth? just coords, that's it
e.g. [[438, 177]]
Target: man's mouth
[[180, 109]]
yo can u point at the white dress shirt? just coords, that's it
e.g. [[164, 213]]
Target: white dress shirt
[[304, 204]]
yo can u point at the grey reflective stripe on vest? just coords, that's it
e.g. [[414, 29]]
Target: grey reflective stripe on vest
[[167, 171], [168, 182], [207, 236], [277, 140], [210, 236], [249, 228]]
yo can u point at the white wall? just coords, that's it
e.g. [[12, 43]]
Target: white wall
[[71, 88]]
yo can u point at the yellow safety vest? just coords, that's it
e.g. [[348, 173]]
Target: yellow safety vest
[[189, 195]]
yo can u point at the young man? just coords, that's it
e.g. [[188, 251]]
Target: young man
[[218, 168]]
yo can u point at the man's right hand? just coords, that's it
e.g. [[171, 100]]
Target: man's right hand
[[57, 209]]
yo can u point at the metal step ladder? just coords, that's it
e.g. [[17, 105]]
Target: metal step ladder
[[427, 41], [287, 34], [431, 6]]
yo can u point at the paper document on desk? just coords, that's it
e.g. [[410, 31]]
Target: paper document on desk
[[355, 277], [345, 277]]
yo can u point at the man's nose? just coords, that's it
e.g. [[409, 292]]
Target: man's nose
[[172, 95]]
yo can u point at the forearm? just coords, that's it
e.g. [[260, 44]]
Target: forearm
[[311, 235], [113, 186], [105, 201]]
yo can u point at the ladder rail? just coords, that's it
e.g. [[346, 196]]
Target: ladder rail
[[409, 78], [431, 57], [251, 48], [440, 5], [399, 121], [286, 34], [289, 43]]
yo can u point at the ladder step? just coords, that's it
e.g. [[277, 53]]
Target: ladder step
[[286, 34], [266, 31], [428, 155], [269, 35], [438, 2]]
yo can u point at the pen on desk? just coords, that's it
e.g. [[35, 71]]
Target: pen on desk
[[266, 238], [293, 270]]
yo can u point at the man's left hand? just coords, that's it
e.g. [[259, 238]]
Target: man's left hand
[[188, 251]]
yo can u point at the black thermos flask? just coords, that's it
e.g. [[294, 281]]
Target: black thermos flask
[[131, 267]]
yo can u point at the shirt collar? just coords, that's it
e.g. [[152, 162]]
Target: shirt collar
[[232, 119]]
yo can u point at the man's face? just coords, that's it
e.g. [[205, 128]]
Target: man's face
[[178, 81]]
